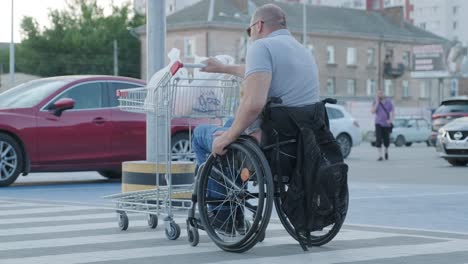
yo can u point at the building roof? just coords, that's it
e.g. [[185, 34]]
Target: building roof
[[334, 21]]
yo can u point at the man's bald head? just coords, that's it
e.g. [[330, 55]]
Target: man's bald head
[[272, 15]]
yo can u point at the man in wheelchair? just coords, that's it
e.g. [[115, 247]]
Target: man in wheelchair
[[280, 102]]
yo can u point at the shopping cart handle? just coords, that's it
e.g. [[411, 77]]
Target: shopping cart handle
[[177, 65]]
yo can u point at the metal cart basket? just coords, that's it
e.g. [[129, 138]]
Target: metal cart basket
[[172, 97]]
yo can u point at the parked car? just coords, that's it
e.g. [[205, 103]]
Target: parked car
[[73, 123], [406, 131], [448, 110], [344, 127], [452, 142]]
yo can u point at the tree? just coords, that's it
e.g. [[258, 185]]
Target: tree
[[80, 41]]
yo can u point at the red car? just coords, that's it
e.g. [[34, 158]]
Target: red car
[[73, 123]]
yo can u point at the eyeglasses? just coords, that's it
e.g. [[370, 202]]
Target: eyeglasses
[[249, 29]]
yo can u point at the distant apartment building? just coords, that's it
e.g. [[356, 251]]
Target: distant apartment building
[[370, 5], [350, 56], [171, 5], [446, 18]]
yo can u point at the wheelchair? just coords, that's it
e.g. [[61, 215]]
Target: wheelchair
[[240, 186]]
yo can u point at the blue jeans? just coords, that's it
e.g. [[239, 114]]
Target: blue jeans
[[203, 139], [202, 142]]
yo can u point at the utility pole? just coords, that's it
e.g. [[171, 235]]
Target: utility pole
[[156, 126], [116, 58], [12, 52]]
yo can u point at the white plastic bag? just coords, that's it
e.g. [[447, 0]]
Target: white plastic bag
[[154, 91], [198, 98]]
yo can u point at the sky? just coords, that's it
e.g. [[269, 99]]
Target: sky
[[37, 9]]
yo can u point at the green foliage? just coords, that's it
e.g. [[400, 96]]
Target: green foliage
[[80, 41]]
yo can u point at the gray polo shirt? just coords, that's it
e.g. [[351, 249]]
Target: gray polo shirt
[[293, 68]]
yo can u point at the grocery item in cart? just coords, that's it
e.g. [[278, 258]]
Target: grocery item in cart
[[202, 95]]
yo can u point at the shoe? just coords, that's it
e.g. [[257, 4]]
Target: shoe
[[221, 221], [386, 156], [241, 226], [380, 159]]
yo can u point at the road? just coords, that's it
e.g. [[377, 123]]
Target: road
[[409, 209]]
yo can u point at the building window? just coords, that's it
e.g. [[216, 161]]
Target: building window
[[330, 55], [422, 25], [406, 89], [351, 56], [424, 90], [455, 24], [455, 10], [331, 86], [370, 87], [351, 87], [370, 57], [406, 58], [389, 89], [189, 47]]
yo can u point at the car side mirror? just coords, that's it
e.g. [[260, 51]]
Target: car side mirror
[[61, 105]]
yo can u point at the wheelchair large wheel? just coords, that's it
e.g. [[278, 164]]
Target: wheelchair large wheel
[[317, 238], [235, 197]]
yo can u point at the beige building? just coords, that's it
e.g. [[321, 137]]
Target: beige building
[[350, 46]]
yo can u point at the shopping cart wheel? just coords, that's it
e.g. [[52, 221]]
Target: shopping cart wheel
[[173, 231], [152, 221], [193, 236], [123, 221]]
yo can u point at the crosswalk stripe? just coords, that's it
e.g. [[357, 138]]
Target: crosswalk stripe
[[19, 205], [57, 209], [329, 256], [365, 254], [23, 220], [64, 228], [122, 237]]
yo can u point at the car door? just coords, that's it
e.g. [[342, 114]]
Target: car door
[[411, 130], [128, 137], [335, 116], [424, 130], [80, 137]]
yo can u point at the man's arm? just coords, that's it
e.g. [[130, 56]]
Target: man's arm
[[214, 65], [254, 98]]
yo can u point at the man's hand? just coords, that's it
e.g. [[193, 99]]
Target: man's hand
[[220, 143], [213, 65]]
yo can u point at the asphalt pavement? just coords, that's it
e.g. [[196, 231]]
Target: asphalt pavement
[[410, 209]]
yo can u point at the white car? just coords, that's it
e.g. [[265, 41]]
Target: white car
[[452, 142], [406, 131], [344, 127]]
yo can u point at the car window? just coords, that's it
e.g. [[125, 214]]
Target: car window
[[114, 86], [400, 122], [412, 123], [334, 113], [29, 94], [86, 96], [423, 123], [453, 107]]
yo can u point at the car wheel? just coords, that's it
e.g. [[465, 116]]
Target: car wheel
[[345, 144], [400, 141], [373, 144], [457, 163], [408, 144], [181, 149], [111, 174], [11, 160]]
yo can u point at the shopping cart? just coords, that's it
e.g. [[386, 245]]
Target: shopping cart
[[172, 97]]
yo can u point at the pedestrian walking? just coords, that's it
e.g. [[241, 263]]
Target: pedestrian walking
[[384, 111]]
